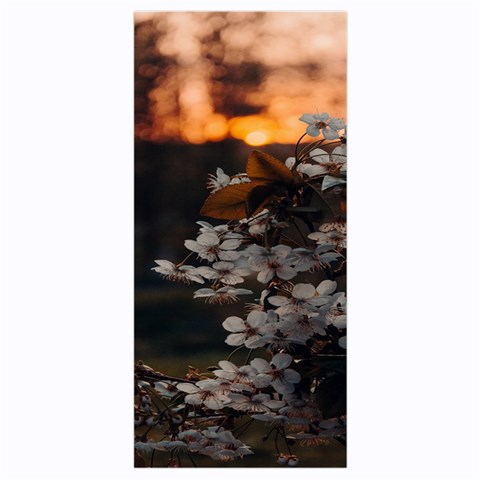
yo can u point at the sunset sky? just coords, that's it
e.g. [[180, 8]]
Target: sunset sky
[[207, 76]]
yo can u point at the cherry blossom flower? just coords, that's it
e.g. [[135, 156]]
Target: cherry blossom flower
[[293, 461], [223, 445], [172, 445], [218, 181], [304, 299], [276, 373], [290, 162], [333, 165], [322, 432], [245, 331], [239, 178], [204, 392], [337, 313], [240, 377], [183, 273], [222, 230], [260, 402], [208, 247], [262, 222], [322, 122], [275, 261], [224, 272], [148, 447], [221, 295], [300, 408], [165, 389], [277, 342], [331, 233], [302, 326], [193, 438], [304, 259]]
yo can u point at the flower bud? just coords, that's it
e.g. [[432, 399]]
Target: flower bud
[[282, 459], [176, 419], [292, 461]]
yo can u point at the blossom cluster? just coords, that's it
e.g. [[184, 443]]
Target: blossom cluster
[[285, 240]]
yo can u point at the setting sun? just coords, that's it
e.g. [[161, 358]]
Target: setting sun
[[256, 138]]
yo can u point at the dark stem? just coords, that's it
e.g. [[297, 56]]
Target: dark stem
[[234, 352], [296, 149]]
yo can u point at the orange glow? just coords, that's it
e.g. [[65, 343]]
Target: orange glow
[[216, 128], [199, 74], [253, 129], [256, 138]]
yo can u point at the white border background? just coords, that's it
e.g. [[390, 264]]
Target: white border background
[[67, 238]]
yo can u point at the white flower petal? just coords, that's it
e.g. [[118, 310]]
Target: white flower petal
[[251, 341], [291, 376], [257, 318], [326, 287], [340, 321], [282, 387], [282, 360], [229, 255], [193, 399], [265, 276], [193, 246], [262, 380], [230, 244], [313, 131], [228, 366], [187, 387], [274, 404], [207, 272], [213, 403], [208, 239], [290, 162], [238, 398], [235, 339], [329, 134], [286, 272], [278, 300], [303, 291], [307, 118], [233, 324], [329, 182], [319, 155], [260, 365], [336, 123]]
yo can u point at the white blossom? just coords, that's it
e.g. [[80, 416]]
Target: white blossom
[[210, 247], [204, 392], [245, 331], [261, 402], [276, 373], [224, 272], [221, 295], [275, 261], [240, 377], [302, 325], [304, 299], [322, 122], [218, 181], [183, 273]]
